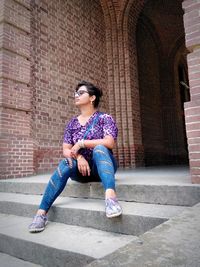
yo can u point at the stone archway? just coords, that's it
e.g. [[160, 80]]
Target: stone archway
[[150, 54], [122, 78], [159, 33], [178, 65], [121, 19]]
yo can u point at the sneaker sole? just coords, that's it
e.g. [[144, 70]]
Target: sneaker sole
[[114, 215]]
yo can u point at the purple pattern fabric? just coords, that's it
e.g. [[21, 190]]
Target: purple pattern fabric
[[74, 131]]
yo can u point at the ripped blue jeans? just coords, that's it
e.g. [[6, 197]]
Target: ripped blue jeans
[[103, 165]]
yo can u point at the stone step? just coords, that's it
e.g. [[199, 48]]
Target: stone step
[[175, 243], [10, 261], [59, 245], [137, 218], [165, 192]]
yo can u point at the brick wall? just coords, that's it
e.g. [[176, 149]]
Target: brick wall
[[136, 143], [48, 46], [122, 87], [15, 98], [68, 45], [192, 108]]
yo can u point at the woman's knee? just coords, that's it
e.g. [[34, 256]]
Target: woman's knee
[[66, 167], [100, 149], [102, 154]]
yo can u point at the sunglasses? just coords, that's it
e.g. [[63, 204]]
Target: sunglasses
[[80, 92]]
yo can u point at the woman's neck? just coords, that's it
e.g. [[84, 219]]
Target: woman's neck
[[87, 111]]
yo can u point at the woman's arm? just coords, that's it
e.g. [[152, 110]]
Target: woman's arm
[[67, 150], [108, 141]]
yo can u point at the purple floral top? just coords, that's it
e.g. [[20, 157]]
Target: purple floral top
[[74, 131]]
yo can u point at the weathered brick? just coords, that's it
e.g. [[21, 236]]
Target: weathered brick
[[15, 95], [130, 50], [17, 15], [193, 140], [15, 40], [14, 67], [196, 179]]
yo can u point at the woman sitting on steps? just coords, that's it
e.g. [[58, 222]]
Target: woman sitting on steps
[[87, 148]]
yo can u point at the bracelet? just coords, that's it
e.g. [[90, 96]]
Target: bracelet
[[81, 143]]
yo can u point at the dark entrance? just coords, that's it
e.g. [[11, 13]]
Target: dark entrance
[[163, 82]]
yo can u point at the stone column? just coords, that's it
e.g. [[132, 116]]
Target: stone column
[[192, 108], [16, 143]]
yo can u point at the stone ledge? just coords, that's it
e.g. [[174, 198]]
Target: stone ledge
[[174, 243]]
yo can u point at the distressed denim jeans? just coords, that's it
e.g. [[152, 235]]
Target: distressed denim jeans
[[103, 165]]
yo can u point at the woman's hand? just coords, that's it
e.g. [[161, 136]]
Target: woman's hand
[[83, 166], [67, 153], [75, 149]]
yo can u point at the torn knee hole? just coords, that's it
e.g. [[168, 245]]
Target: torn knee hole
[[107, 172], [106, 162], [99, 151]]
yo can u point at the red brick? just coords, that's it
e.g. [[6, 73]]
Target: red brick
[[194, 140], [195, 163], [194, 148], [15, 40], [192, 111], [195, 171], [192, 134], [196, 179], [193, 126], [48, 46], [194, 155], [189, 4], [12, 93], [17, 14]]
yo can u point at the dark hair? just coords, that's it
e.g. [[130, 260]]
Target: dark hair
[[92, 90]]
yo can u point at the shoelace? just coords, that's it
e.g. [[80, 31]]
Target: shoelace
[[38, 218], [110, 203]]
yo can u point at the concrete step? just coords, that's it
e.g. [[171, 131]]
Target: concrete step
[[9, 261], [137, 218], [140, 189], [59, 245], [175, 243]]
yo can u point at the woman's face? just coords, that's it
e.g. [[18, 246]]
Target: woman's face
[[82, 96]]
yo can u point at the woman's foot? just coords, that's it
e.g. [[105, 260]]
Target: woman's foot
[[38, 224], [113, 208]]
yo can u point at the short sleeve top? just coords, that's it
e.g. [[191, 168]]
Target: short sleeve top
[[74, 131]]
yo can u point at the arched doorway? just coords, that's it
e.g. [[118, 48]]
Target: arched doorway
[[162, 74]]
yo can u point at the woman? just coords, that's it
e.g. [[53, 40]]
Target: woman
[[87, 148]]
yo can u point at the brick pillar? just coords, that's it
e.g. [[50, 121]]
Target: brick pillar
[[192, 108], [123, 81], [16, 143]]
